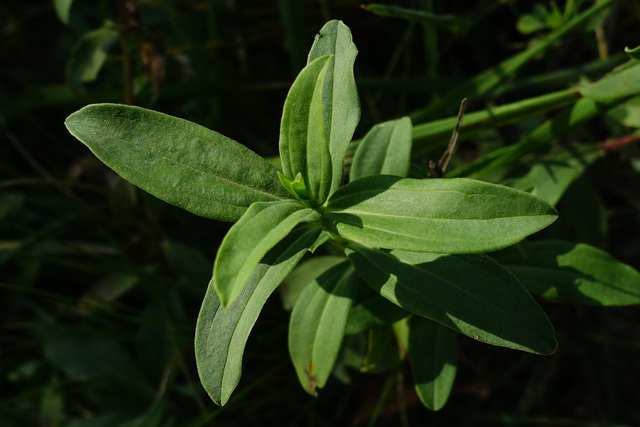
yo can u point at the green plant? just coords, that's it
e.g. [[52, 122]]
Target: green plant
[[409, 250]]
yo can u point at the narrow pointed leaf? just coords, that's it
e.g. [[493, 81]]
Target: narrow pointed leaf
[[385, 149], [471, 294], [317, 325], [221, 334], [304, 147], [433, 355], [177, 161], [435, 215], [573, 272], [340, 102], [259, 230], [89, 54]]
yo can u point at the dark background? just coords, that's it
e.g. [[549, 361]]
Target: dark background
[[101, 283]]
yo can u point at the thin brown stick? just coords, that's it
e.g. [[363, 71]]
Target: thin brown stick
[[438, 170]]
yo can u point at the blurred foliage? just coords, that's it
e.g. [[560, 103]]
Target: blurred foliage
[[101, 283]]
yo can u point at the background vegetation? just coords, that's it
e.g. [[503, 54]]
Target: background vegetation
[[101, 283]]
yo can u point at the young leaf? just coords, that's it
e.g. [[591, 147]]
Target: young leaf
[[304, 147], [471, 294], [260, 229], [340, 102], [385, 149], [434, 215], [89, 54], [550, 177], [317, 325], [63, 8], [222, 334], [573, 272], [177, 161], [434, 359]]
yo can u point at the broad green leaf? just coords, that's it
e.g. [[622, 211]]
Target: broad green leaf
[[550, 177], [317, 325], [260, 229], [573, 272], [222, 334], [622, 82], [434, 215], [627, 113], [89, 54], [304, 147], [370, 309], [340, 102], [303, 275], [471, 294], [633, 53], [63, 7], [584, 215], [177, 161], [385, 149], [433, 354]]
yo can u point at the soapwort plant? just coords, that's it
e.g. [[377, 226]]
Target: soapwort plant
[[401, 251]]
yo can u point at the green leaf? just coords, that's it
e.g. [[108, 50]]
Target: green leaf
[[89, 54], [550, 177], [222, 334], [633, 53], [260, 229], [340, 102], [370, 309], [298, 189], [63, 7], [434, 215], [471, 294], [304, 147], [385, 149], [573, 272], [303, 275], [317, 325], [627, 113], [452, 23], [433, 354], [177, 161], [622, 82]]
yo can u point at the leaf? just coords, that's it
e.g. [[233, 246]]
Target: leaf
[[385, 149], [633, 53], [260, 229], [177, 161], [340, 102], [627, 113], [622, 82], [63, 7], [434, 215], [471, 294], [370, 309], [573, 272], [303, 275], [550, 177], [221, 334], [89, 54], [452, 23], [433, 354], [317, 325], [304, 147]]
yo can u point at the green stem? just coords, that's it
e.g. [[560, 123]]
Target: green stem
[[582, 111], [488, 80]]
